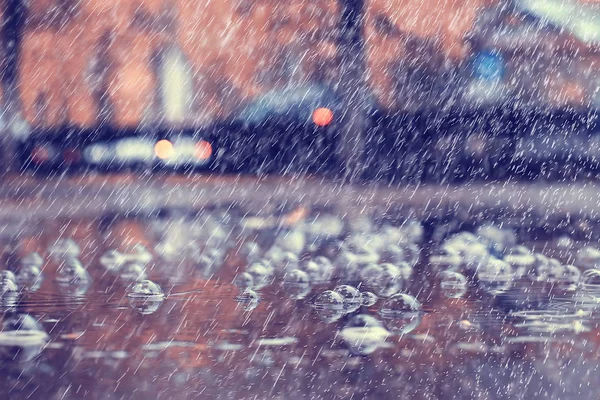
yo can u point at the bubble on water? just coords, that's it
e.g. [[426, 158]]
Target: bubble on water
[[30, 277], [329, 306], [7, 275], [145, 297], [325, 267], [139, 255], [32, 260], [351, 297], [145, 305], [167, 250], [565, 242], [112, 260], [71, 271], [243, 280], [250, 252], [445, 259], [324, 225], [496, 239], [495, 276], [261, 273], [8, 291], [22, 339], [474, 256], [363, 320], [248, 299], [209, 261], [453, 284], [405, 269], [392, 253], [365, 257], [401, 313], [64, 248], [292, 241], [296, 284], [285, 262], [132, 272], [145, 288], [364, 334], [295, 277], [313, 270], [393, 235], [369, 299], [412, 254], [540, 270], [590, 281], [390, 280], [346, 264], [370, 274], [588, 258], [569, 277], [413, 229], [520, 259]]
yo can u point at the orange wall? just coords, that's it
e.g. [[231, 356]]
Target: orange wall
[[107, 49], [90, 61]]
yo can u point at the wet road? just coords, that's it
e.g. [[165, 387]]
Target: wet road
[[532, 340]]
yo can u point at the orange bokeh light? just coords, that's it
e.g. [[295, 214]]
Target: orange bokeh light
[[203, 150], [322, 116], [163, 149]]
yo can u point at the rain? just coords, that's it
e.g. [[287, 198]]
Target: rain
[[310, 199]]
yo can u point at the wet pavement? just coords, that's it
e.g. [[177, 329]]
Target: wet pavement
[[243, 310]]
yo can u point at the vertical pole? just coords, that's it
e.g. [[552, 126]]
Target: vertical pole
[[13, 15], [353, 89]]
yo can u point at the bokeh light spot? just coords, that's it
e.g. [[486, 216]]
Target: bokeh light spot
[[163, 149], [322, 116], [203, 150]]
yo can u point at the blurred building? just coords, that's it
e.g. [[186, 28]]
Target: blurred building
[[184, 62]]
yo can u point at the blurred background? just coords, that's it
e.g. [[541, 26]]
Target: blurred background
[[235, 85]]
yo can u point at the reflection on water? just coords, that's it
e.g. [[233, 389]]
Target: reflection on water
[[230, 306]]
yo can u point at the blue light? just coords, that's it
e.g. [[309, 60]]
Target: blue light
[[488, 65]]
